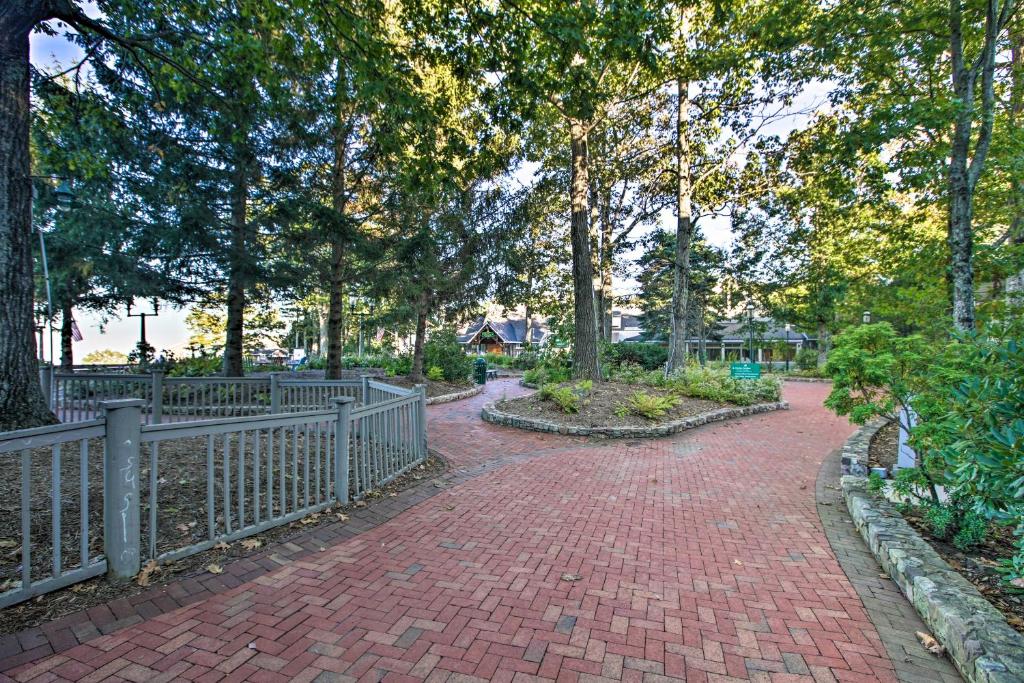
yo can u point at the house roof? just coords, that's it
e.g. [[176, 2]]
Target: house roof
[[508, 330], [765, 329]]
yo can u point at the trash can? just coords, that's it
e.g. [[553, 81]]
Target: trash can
[[480, 371]]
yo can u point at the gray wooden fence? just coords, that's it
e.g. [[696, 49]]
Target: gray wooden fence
[[109, 493]]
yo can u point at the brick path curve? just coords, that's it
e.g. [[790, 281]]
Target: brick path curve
[[700, 556]]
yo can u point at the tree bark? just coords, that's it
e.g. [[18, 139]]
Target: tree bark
[[21, 399], [237, 274], [684, 231], [339, 241], [422, 311], [585, 359], [67, 353], [1015, 283], [607, 298]]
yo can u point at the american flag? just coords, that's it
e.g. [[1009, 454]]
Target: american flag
[[76, 333]]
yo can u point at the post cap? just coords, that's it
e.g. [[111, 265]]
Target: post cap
[[342, 400], [123, 403]]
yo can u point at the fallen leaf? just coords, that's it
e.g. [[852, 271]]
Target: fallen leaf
[[148, 569], [449, 508], [342, 517], [223, 545], [360, 503], [737, 563], [311, 519], [252, 645], [1018, 582], [252, 543], [8, 543], [571, 577], [930, 643], [215, 569]]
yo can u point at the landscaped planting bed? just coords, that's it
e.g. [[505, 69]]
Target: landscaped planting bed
[[979, 563], [601, 406]]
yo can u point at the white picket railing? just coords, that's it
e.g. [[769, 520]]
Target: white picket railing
[[245, 473]]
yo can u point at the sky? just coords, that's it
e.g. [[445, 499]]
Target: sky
[[168, 330]]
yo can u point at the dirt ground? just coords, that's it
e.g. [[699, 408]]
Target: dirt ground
[[599, 407], [182, 520], [434, 388], [884, 445]]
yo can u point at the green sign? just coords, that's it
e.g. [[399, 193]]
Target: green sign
[[561, 343], [745, 370]]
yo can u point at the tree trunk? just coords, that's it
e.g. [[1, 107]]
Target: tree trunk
[[822, 344], [21, 398], [1015, 283], [422, 311], [684, 232], [607, 298], [339, 197], [237, 276], [67, 354], [585, 363]]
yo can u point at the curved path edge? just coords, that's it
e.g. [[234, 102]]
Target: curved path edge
[[894, 617]]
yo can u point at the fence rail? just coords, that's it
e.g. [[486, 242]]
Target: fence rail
[[153, 482], [77, 396], [34, 463]]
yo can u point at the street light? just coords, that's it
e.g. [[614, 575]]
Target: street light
[[866, 318], [750, 327], [64, 196], [352, 301], [788, 328]]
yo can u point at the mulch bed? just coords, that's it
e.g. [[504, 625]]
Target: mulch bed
[[979, 565], [884, 446], [434, 388], [182, 520], [598, 408]]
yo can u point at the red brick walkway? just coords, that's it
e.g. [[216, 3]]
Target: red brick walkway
[[701, 557]]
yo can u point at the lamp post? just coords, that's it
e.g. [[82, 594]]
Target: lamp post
[[64, 197], [866, 318], [788, 328], [750, 328], [142, 322], [361, 313]]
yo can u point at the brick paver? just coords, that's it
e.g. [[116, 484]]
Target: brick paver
[[699, 556]]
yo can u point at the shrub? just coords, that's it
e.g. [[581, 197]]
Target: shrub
[[498, 359], [543, 375], [940, 519], [527, 360], [650, 406], [435, 373], [647, 356], [204, 366], [875, 483], [807, 359], [973, 529], [567, 398], [444, 351], [716, 385]]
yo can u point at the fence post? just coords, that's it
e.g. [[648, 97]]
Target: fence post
[[365, 400], [275, 393], [421, 438], [158, 397], [341, 446], [121, 530], [46, 382]]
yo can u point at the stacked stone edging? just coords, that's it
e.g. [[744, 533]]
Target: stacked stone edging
[[457, 396], [819, 380], [528, 385], [979, 641], [490, 413]]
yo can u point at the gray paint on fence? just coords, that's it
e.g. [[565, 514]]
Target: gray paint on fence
[[121, 523]]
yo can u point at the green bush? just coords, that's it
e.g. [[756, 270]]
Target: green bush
[[435, 373], [527, 360], [567, 398], [807, 359], [543, 375], [203, 366], [941, 520], [650, 406], [647, 356], [444, 351], [498, 360], [972, 531], [716, 385]]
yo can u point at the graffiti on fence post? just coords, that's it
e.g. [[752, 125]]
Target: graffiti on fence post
[[121, 518]]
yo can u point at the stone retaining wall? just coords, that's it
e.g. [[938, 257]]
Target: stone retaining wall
[[979, 641], [820, 380], [457, 396], [490, 413]]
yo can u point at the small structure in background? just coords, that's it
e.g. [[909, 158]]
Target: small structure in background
[[507, 336], [270, 357]]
